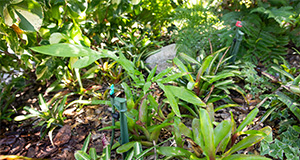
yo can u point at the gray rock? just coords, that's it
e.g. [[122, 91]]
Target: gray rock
[[160, 58]]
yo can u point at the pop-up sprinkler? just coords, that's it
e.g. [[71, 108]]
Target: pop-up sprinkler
[[120, 105], [236, 42]]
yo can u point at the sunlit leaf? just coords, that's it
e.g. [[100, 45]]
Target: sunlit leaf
[[171, 99], [249, 141], [173, 151], [248, 119], [185, 95], [208, 134], [245, 157], [80, 155]]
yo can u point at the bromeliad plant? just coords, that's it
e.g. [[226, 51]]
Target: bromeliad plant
[[145, 114], [210, 76], [218, 142]]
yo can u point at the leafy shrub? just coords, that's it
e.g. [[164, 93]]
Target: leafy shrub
[[207, 141], [266, 26], [286, 146], [196, 26], [8, 95], [49, 117]]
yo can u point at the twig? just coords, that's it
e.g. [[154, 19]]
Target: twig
[[211, 49], [221, 59]]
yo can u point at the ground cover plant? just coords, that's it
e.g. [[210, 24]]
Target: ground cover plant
[[232, 91]]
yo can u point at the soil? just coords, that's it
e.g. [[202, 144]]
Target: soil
[[23, 139]]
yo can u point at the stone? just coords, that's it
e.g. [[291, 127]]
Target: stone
[[160, 58]]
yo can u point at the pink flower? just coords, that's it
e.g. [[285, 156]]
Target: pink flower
[[238, 24], [104, 141]]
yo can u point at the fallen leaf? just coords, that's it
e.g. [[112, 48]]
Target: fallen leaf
[[63, 136]]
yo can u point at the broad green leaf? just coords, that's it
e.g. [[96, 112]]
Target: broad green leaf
[[151, 148], [86, 143], [173, 77], [224, 83], [226, 106], [162, 74], [126, 147], [204, 66], [93, 153], [220, 76], [76, 8], [171, 99], [221, 132], [208, 134], [153, 128], [245, 157], [210, 111], [80, 155], [128, 95], [173, 151], [65, 50], [183, 68], [197, 136], [56, 37], [153, 103], [143, 111], [249, 141], [187, 58], [151, 74], [86, 60], [291, 104], [248, 119], [185, 130], [109, 128], [146, 87], [185, 95], [31, 15]]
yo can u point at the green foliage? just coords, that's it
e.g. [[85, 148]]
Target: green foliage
[[207, 141], [255, 84], [137, 46], [82, 154], [286, 146], [291, 91], [266, 27], [28, 15], [49, 116], [197, 25], [210, 75], [8, 96]]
